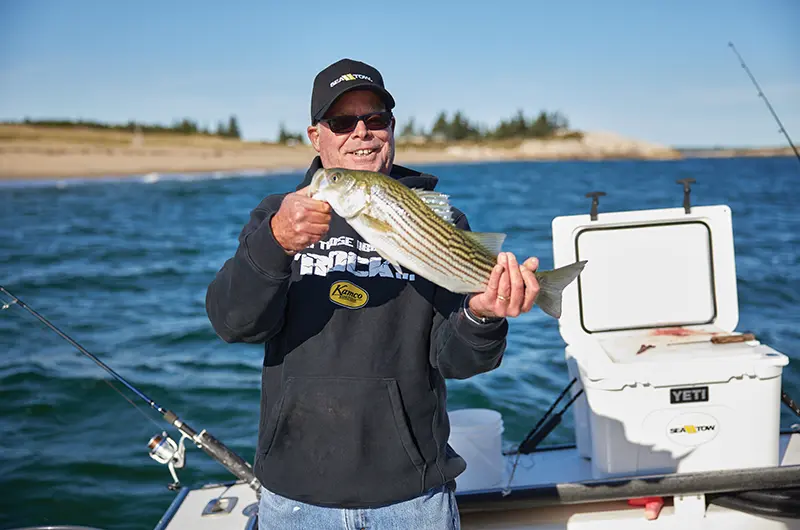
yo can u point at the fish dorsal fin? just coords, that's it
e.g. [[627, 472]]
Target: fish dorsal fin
[[438, 202], [491, 241]]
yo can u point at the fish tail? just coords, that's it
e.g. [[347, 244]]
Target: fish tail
[[552, 284]]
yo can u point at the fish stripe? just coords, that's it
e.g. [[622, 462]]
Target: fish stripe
[[470, 263], [414, 244], [473, 263], [430, 256], [430, 243]]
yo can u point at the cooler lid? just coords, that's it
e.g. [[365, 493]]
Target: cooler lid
[[664, 360], [647, 270]]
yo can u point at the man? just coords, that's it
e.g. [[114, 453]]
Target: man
[[353, 431]]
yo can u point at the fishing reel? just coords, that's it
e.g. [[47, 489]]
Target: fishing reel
[[164, 450]]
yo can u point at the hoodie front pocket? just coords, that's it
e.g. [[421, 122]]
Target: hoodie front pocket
[[342, 440]]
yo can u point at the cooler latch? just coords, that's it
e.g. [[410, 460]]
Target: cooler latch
[[690, 507], [595, 195], [687, 190]]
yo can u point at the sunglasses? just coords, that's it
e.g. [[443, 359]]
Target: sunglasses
[[374, 121]]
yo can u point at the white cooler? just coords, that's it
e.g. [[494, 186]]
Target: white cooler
[[655, 399]]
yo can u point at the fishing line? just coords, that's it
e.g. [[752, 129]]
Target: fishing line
[[134, 405], [17, 301], [543, 427], [764, 97], [547, 422], [80, 348], [793, 406], [544, 417], [163, 449]]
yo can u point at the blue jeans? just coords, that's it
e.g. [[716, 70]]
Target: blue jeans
[[435, 510]]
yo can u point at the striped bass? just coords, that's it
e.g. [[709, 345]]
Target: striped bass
[[413, 228]]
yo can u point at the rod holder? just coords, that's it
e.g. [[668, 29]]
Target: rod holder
[[595, 195], [687, 190]]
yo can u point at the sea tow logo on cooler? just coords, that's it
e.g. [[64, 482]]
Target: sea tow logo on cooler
[[348, 295], [693, 429], [350, 77]]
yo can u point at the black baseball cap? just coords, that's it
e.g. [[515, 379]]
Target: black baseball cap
[[340, 77]]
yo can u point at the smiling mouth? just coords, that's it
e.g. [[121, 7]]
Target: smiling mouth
[[364, 152]]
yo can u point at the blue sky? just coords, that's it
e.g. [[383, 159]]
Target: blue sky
[[659, 71]]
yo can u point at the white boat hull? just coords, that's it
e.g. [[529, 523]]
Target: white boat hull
[[545, 495]]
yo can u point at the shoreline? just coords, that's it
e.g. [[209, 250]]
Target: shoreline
[[33, 153]]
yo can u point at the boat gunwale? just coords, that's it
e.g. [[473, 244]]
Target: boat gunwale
[[629, 487], [605, 489], [174, 506]]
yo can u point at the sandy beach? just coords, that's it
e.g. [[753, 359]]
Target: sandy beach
[[28, 152]]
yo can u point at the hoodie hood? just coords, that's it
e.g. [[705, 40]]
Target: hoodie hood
[[408, 177]]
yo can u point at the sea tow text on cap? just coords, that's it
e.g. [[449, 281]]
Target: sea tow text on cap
[[350, 77]]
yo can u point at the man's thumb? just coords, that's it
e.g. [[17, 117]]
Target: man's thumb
[[531, 264]]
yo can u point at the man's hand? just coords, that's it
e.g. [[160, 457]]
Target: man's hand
[[511, 291], [301, 221]]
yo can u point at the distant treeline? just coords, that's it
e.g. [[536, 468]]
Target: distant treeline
[[184, 126], [286, 137], [459, 127]]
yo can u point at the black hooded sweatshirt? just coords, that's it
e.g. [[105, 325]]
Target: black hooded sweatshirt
[[353, 398]]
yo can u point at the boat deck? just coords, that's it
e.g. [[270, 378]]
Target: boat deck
[[552, 488]]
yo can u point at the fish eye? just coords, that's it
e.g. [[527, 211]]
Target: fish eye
[[335, 177]]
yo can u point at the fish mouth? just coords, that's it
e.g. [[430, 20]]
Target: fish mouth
[[313, 188]]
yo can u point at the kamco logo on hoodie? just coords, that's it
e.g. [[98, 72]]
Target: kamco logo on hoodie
[[348, 295]]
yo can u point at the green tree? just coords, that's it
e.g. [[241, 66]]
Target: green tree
[[558, 121], [541, 127], [284, 136], [441, 126], [409, 128], [515, 127], [185, 126], [461, 128], [233, 128]]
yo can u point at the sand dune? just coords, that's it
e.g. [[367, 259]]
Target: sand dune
[[33, 152]]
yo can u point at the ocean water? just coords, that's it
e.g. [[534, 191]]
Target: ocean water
[[122, 266]]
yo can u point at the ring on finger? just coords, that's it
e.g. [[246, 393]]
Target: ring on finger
[[501, 297]]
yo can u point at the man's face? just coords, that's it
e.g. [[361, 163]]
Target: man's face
[[361, 148]]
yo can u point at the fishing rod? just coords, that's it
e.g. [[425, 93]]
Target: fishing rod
[[163, 449], [543, 427], [764, 97], [794, 406]]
